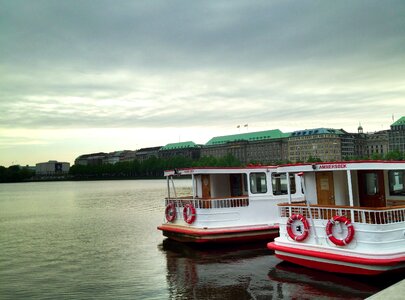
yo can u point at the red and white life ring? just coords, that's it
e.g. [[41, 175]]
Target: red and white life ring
[[304, 234], [170, 212], [189, 214], [350, 230]]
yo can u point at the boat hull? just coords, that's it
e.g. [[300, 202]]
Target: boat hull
[[331, 262], [219, 235]]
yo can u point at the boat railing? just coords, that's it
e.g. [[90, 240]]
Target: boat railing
[[209, 203], [366, 215]]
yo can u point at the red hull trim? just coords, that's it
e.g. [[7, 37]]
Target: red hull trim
[[329, 267], [236, 234], [334, 259], [337, 257]]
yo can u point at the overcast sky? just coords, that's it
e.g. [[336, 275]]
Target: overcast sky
[[87, 76]]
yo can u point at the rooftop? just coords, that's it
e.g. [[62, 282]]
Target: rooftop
[[182, 145], [401, 121], [251, 136], [315, 131]]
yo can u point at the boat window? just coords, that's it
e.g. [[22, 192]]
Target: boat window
[[238, 184], [372, 184], [258, 183], [279, 183], [397, 182]]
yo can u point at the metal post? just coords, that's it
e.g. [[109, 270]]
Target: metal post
[[308, 207], [349, 183], [174, 189], [168, 187], [289, 192], [193, 185]]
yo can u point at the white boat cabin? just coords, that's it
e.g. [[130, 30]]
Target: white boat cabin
[[353, 219], [233, 196], [377, 186]]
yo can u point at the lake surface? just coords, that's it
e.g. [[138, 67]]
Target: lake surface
[[98, 240]]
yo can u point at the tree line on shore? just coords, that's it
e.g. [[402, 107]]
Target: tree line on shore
[[151, 168]]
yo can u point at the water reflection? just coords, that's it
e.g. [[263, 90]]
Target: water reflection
[[212, 272], [252, 272], [299, 282]]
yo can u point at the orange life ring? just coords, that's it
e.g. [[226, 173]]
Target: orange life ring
[[350, 230], [189, 213], [305, 233], [170, 212]]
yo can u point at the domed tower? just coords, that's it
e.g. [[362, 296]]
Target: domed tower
[[360, 128]]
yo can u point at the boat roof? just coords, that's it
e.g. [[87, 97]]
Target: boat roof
[[217, 170], [298, 167], [343, 165]]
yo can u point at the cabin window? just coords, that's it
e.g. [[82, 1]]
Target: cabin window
[[279, 183], [238, 184], [397, 183], [258, 183], [372, 184]]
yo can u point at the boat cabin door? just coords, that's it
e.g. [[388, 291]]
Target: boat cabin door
[[371, 188], [206, 186], [324, 188]]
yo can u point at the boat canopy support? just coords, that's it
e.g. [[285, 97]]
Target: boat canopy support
[[170, 179], [301, 174], [350, 186]]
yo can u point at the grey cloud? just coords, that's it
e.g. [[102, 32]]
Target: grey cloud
[[217, 60], [183, 34]]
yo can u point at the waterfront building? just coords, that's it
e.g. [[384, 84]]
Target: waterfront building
[[359, 143], [263, 147], [128, 155], [377, 143], [396, 136], [146, 153], [185, 149], [319, 143], [273, 146], [118, 156], [91, 159], [52, 168]]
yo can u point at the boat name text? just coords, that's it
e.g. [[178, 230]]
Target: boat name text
[[333, 166]]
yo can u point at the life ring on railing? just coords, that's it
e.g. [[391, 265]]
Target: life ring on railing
[[189, 213], [170, 212], [350, 230], [304, 234]]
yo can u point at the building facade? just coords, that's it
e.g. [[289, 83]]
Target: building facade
[[396, 136], [185, 149], [119, 156], [52, 168], [262, 147], [273, 146], [146, 153], [377, 143], [320, 143]]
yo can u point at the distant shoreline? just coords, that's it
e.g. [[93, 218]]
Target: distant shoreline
[[85, 179]]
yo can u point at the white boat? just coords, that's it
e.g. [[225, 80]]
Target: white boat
[[353, 219], [226, 204]]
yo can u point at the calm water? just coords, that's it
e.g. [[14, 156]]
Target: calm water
[[98, 240]]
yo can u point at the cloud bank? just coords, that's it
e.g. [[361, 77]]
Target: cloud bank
[[207, 64]]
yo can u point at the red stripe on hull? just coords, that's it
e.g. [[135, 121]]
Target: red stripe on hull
[[337, 257], [334, 266], [329, 267]]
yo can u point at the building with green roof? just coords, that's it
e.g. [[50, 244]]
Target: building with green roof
[[186, 149], [269, 146], [181, 145], [250, 137], [396, 136]]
